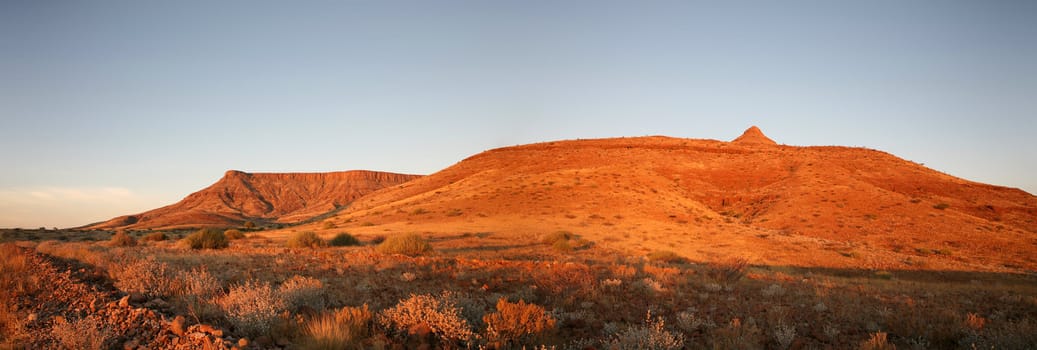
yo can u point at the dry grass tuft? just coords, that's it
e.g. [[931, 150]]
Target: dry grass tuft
[[408, 244], [121, 239], [877, 342], [206, 239], [233, 234], [306, 239], [155, 237], [342, 329]]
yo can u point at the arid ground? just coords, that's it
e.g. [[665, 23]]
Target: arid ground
[[629, 243]]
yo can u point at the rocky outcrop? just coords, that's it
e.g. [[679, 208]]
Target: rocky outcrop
[[753, 135]]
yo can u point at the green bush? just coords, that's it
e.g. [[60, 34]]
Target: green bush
[[306, 239], [409, 244], [155, 237], [121, 239], [344, 239], [234, 234], [206, 238]]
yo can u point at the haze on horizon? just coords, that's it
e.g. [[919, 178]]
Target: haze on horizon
[[119, 107]]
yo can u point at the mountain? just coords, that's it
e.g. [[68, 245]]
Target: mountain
[[706, 200], [239, 197]]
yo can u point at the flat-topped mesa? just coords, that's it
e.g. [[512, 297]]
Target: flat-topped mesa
[[753, 135], [241, 196]]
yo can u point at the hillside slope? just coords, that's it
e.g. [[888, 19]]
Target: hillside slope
[[708, 200], [261, 197]]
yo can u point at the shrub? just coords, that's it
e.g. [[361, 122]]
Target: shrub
[[343, 240], [306, 239], [439, 315], [514, 322], [557, 236], [144, 276], [121, 239], [728, 272], [665, 256], [651, 335], [198, 282], [155, 237], [299, 291], [206, 239], [86, 334], [234, 234], [342, 329], [252, 307], [562, 246], [408, 244]]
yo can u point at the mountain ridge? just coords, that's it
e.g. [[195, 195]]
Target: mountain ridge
[[711, 199], [239, 197]]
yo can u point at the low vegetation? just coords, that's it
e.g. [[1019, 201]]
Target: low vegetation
[[405, 244], [233, 234], [206, 239], [155, 237], [305, 239], [344, 240], [263, 294], [121, 239]]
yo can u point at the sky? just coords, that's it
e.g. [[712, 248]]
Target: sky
[[116, 107]]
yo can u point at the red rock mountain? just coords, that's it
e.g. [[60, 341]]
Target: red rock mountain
[[706, 199], [261, 197]]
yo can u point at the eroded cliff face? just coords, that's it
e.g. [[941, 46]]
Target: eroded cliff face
[[267, 197]]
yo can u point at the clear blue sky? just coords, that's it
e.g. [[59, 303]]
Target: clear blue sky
[[115, 107]]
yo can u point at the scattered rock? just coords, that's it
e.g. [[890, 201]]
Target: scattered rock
[[124, 302], [243, 343]]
